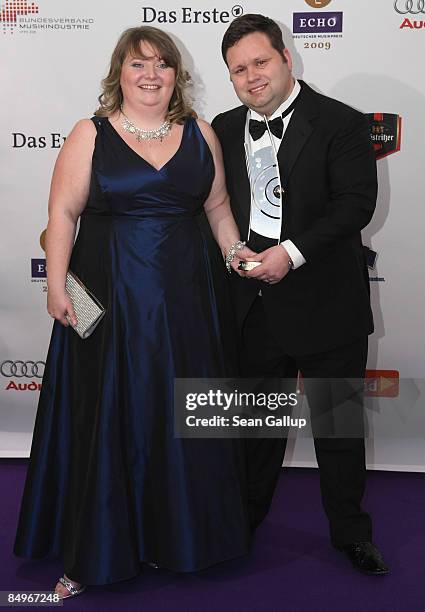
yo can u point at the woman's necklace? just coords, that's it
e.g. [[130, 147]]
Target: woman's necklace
[[157, 134]]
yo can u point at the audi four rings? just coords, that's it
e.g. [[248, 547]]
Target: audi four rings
[[22, 369], [409, 6]]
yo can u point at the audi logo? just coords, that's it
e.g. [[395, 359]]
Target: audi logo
[[409, 6], [22, 369]]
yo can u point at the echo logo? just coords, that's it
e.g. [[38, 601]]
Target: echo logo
[[318, 23], [38, 268]]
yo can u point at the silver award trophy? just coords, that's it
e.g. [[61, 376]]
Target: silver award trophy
[[266, 207]]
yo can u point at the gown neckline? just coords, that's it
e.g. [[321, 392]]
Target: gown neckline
[[158, 170]]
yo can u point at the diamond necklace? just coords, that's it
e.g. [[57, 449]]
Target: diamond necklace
[[141, 134]]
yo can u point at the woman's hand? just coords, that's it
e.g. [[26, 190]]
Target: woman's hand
[[59, 306], [242, 255]]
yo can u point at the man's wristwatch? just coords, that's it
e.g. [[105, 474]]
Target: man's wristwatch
[[290, 262]]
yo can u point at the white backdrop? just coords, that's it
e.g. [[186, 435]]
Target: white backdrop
[[53, 56]]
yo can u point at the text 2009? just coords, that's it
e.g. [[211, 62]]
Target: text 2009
[[319, 45]]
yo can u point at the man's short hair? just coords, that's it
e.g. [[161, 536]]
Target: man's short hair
[[248, 24]]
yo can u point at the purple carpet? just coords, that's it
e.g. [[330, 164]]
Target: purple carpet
[[292, 567]]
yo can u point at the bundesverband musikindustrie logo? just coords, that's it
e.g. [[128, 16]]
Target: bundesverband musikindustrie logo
[[26, 17]]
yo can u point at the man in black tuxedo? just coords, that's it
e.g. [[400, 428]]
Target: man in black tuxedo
[[307, 305]]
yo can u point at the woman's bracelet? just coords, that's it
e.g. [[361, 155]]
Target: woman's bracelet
[[237, 246]]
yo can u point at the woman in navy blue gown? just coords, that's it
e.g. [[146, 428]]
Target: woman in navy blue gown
[[108, 484]]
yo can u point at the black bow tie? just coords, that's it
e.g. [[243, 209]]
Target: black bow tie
[[257, 128]]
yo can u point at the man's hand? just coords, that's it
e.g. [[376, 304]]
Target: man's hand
[[275, 265]]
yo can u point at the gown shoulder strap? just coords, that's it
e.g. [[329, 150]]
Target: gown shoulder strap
[[98, 121]]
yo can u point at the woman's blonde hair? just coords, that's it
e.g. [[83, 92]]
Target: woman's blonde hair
[[111, 98]]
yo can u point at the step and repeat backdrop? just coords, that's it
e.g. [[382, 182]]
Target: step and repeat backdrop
[[368, 54]]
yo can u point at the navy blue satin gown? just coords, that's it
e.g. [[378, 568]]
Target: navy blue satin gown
[[108, 485]]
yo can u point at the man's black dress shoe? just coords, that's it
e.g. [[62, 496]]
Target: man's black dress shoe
[[366, 558]]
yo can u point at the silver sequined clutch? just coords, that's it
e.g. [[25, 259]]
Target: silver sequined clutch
[[88, 310]]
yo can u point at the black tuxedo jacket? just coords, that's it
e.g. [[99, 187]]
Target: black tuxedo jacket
[[328, 172]]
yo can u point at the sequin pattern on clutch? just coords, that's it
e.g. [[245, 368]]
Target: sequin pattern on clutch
[[88, 310]]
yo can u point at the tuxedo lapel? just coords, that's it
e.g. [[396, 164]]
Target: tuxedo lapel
[[298, 132]]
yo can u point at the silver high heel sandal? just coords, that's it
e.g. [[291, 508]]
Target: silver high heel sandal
[[71, 588]]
